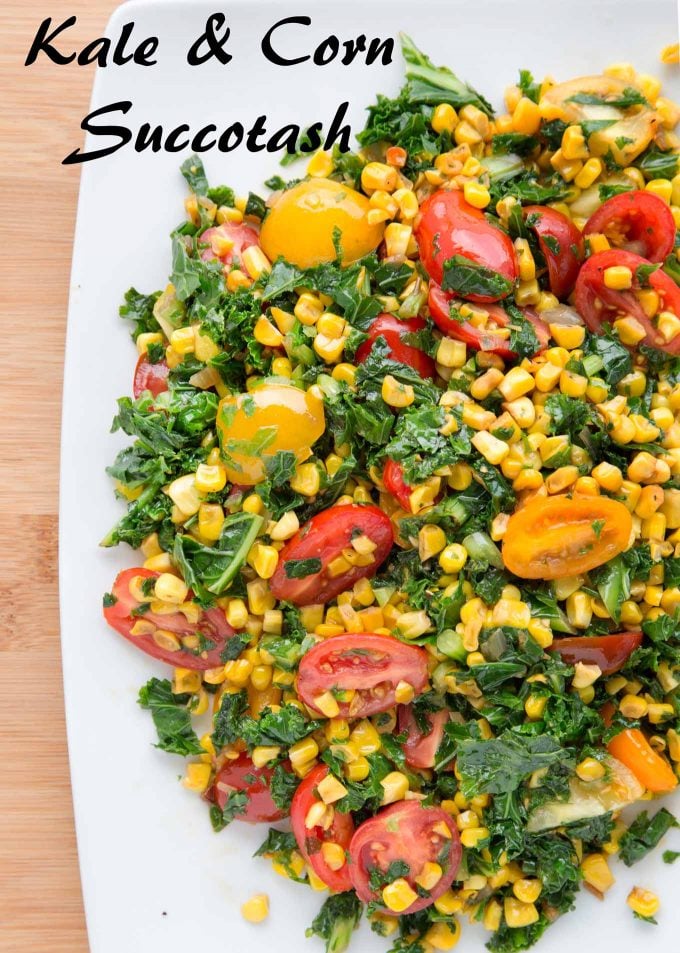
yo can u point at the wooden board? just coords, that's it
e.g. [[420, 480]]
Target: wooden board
[[40, 901]]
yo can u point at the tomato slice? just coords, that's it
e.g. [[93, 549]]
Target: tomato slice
[[212, 625], [310, 840], [307, 572], [151, 377], [228, 242], [410, 833], [421, 748], [609, 652], [598, 304], [393, 331], [557, 537], [631, 747], [393, 478], [449, 226], [637, 221], [366, 665], [242, 775], [481, 339], [561, 244]]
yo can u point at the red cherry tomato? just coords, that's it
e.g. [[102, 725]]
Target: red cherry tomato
[[321, 541], [449, 226], [485, 339], [393, 478], [610, 652], [370, 666], [151, 377], [421, 749], [219, 237], [393, 331], [212, 626], [406, 832], [637, 221], [600, 305], [310, 840], [242, 775], [560, 242]]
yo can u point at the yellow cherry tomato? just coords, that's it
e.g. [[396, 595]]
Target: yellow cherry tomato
[[255, 426], [301, 224]]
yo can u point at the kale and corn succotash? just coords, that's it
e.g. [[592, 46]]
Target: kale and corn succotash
[[405, 481]]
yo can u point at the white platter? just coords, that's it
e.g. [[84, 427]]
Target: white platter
[[155, 877]]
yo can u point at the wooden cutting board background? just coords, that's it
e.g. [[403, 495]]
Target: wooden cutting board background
[[40, 901]]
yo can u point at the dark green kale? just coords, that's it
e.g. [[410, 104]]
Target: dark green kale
[[139, 309], [466, 277], [170, 716], [644, 834], [337, 920], [235, 804], [210, 570]]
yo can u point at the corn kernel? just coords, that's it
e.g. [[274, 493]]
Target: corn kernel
[[256, 909]]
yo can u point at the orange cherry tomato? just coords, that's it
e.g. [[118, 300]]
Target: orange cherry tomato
[[632, 748], [303, 220], [255, 426], [557, 537]]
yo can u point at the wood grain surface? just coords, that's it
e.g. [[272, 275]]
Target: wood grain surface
[[40, 900]]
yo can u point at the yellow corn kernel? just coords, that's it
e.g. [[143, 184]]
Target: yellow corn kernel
[[182, 340], [266, 333], [568, 336], [303, 751], [210, 479], [412, 625], [306, 480], [197, 777], [598, 242], [547, 377], [476, 194], [590, 173], [534, 707], [259, 597], [516, 383], [451, 353], [596, 872], [630, 331], [263, 754], [658, 712], [184, 494], [359, 769], [528, 293], [378, 175], [264, 560], [492, 449], [395, 393], [511, 612], [662, 188], [443, 936], [590, 769], [210, 520], [448, 904], [320, 165], [527, 889], [395, 786], [573, 385], [256, 909], [308, 309], [431, 540], [526, 117], [168, 588], [472, 836], [255, 261], [643, 902], [618, 277], [444, 118], [668, 325], [519, 914], [567, 168], [327, 704], [160, 563], [453, 558], [399, 895], [573, 143], [484, 385], [144, 340]]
